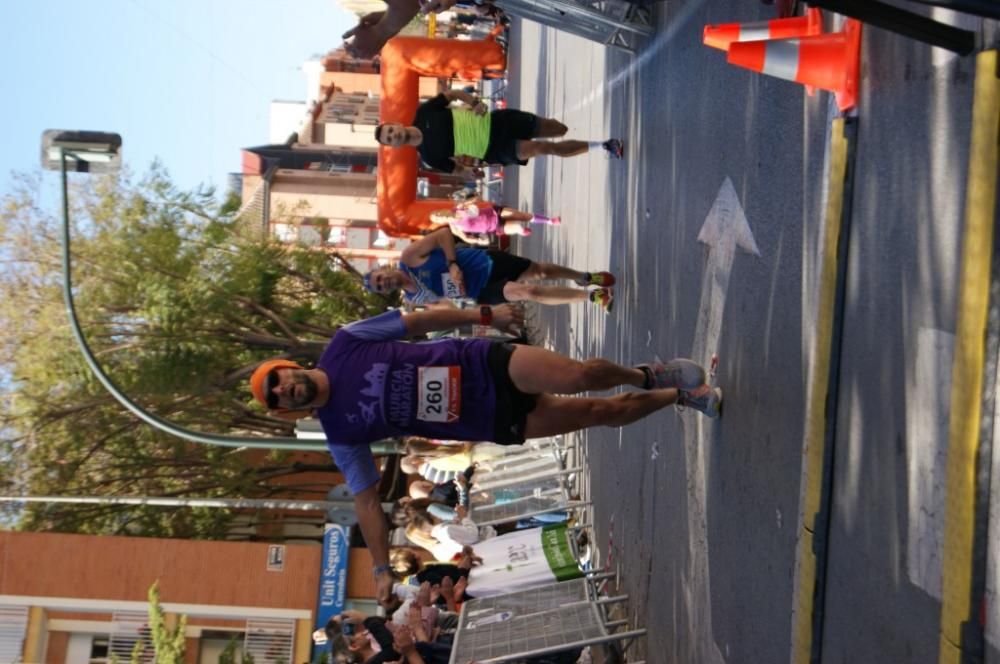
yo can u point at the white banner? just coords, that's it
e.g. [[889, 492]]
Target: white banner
[[523, 559]]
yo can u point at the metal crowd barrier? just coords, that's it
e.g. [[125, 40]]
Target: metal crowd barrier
[[527, 483], [549, 619]]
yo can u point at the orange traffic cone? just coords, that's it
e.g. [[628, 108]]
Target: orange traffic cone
[[828, 62], [721, 36]]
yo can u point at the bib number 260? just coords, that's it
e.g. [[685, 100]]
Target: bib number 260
[[439, 394]]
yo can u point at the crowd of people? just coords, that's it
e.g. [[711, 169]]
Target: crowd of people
[[439, 568]]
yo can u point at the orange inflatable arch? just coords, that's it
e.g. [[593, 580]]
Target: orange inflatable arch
[[404, 61]]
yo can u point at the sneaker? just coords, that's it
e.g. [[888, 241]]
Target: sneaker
[[604, 298], [614, 147], [680, 373], [706, 400], [555, 221], [601, 279]]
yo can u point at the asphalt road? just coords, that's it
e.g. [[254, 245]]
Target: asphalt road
[[701, 517]]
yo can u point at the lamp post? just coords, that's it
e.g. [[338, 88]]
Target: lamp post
[[100, 152]]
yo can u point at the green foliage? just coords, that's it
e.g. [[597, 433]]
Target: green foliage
[[178, 300], [228, 656]]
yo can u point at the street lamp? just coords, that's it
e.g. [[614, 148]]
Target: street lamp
[[100, 152]]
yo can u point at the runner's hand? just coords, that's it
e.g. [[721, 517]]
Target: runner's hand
[[383, 586], [456, 275], [481, 108], [508, 318]]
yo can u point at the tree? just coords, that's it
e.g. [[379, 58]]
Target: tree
[[167, 644], [228, 655], [179, 300]]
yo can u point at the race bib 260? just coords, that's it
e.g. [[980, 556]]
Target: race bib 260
[[439, 394]]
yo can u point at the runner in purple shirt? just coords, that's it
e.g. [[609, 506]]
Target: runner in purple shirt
[[369, 385]]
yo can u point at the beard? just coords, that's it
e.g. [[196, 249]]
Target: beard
[[308, 391]]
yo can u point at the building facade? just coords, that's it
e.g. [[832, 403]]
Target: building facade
[[318, 187], [76, 599]]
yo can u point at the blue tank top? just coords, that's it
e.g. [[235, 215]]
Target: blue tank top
[[434, 282]]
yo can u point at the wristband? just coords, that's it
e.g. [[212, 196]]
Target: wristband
[[485, 315], [381, 569]]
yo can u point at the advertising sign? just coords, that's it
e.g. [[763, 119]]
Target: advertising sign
[[333, 575]]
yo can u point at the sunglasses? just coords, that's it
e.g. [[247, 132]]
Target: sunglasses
[[270, 382]]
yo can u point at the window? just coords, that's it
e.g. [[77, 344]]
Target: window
[[100, 646]]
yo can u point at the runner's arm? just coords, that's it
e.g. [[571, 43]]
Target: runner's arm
[[416, 253], [506, 318], [371, 519]]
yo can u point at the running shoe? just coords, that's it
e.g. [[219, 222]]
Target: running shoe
[[614, 147], [601, 279], [680, 373], [706, 399], [604, 298]]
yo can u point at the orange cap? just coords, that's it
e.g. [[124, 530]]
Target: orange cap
[[260, 375]]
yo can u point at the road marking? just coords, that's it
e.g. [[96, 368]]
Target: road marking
[[927, 403], [814, 439], [725, 228], [967, 374]]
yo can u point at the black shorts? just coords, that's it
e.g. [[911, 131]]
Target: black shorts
[[512, 405], [507, 127], [506, 267]]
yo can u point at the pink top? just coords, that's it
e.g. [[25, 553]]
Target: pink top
[[472, 219]]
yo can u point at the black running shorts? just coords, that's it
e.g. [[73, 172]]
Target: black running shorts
[[507, 127], [506, 267], [512, 405]]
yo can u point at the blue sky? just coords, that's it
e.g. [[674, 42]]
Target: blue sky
[[188, 81]]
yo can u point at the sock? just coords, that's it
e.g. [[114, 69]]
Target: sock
[[539, 219], [593, 146], [584, 280]]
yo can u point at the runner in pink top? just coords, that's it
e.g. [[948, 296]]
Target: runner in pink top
[[473, 223]]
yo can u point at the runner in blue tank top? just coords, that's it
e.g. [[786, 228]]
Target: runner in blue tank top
[[432, 269]]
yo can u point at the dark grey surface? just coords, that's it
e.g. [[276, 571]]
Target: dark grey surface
[[701, 121], [905, 257]]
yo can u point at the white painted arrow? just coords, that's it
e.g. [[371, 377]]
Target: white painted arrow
[[725, 229]]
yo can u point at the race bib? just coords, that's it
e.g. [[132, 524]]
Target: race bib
[[439, 394], [449, 287]]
